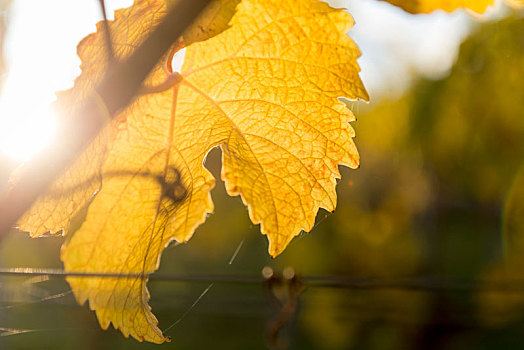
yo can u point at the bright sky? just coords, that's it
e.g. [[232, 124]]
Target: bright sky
[[41, 56], [396, 46]]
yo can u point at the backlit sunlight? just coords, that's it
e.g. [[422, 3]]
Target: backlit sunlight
[[27, 123], [41, 59]]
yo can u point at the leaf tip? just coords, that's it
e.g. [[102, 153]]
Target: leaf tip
[[274, 250], [278, 244]]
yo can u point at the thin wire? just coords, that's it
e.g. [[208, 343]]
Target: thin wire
[[416, 283], [326, 215], [216, 278], [4, 332], [49, 297], [233, 257], [236, 252], [190, 308]]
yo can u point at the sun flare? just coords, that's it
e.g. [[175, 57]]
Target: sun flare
[[25, 128], [41, 62]]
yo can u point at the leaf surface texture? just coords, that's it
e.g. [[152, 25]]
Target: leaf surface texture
[[263, 85]]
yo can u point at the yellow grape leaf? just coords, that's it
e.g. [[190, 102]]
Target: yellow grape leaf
[[427, 6], [266, 92], [53, 212]]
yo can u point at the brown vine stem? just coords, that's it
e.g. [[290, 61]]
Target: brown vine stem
[[171, 80], [121, 83]]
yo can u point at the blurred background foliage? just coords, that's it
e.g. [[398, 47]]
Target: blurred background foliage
[[440, 192]]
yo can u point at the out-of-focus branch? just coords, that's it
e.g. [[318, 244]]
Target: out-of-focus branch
[[107, 32], [117, 89]]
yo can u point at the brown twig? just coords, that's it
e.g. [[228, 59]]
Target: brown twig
[[117, 89], [282, 292]]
